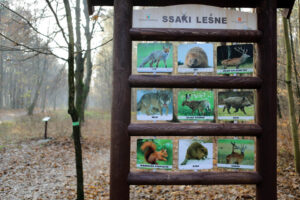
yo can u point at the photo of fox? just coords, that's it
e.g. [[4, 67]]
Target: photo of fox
[[154, 57]]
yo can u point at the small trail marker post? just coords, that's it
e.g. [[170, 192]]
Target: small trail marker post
[[264, 35], [46, 119]]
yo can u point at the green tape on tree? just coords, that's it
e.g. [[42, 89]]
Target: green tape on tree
[[75, 123]]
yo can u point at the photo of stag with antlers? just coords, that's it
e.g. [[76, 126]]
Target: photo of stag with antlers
[[235, 59]]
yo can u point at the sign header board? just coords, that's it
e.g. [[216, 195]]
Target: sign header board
[[194, 16]]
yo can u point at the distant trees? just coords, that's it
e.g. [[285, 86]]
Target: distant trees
[[25, 60], [291, 104]]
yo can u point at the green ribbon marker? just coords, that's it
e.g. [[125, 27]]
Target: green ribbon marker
[[75, 123]]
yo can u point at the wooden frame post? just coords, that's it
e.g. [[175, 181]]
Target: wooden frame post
[[121, 101], [266, 144]]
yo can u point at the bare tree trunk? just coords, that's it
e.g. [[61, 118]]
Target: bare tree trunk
[[79, 63], [89, 65], [279, 108], [72, 109], [1, 77], [38, 88], [295, 68], [292, 116], [44, 99]]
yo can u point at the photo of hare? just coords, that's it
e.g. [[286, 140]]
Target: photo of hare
[[195, 154], [234, 105], [154, 105], [235, 59], [235, 153], [195, 105], [195, 58], [154, 57]]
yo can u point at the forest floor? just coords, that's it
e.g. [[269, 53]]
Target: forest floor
[[37, 169]]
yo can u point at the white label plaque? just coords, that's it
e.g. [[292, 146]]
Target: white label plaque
[[194, 16]]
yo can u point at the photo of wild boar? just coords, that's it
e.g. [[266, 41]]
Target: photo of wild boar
[[235, 59], [195, 58], [235, 105]]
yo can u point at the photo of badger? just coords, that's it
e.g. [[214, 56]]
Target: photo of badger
[[196, 105], [234, 105], [195, 154], [195, 58]]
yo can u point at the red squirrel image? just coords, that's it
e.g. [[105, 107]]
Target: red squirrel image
[[151, 155]]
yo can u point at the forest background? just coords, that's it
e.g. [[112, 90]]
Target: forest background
[[34, 47]]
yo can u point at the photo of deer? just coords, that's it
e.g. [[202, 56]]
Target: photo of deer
[[235, 59], [236, 153], [195, 105]]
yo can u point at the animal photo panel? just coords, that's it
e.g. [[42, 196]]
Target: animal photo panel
[[154, 57], [195, 154], [234, 153], [154, 154], [195, 105], [156, 104], [195, 58], [235, 59], [236, 105]]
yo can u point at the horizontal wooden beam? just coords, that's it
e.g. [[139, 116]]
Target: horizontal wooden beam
[[192, 129], [226, 3], [193, 178], [216, 35], [167, 81], [220, 3]]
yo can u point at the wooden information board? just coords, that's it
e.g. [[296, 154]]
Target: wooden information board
[[264, 128]]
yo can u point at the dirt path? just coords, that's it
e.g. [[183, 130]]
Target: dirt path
[[11, 115]]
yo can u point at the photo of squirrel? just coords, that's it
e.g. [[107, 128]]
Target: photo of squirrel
[[151, 155]]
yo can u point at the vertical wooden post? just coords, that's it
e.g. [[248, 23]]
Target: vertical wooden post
[[45, 135], [121, 101], [266, 101]]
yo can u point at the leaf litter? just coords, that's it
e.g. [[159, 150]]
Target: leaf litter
[[36, 170]]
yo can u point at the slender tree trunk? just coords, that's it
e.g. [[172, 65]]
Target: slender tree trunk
[[88, 57], [38, 88], [1, 77], [292, 116], [279, 108], [44, 99], [79, 63], [71, 104], [295, 69]]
